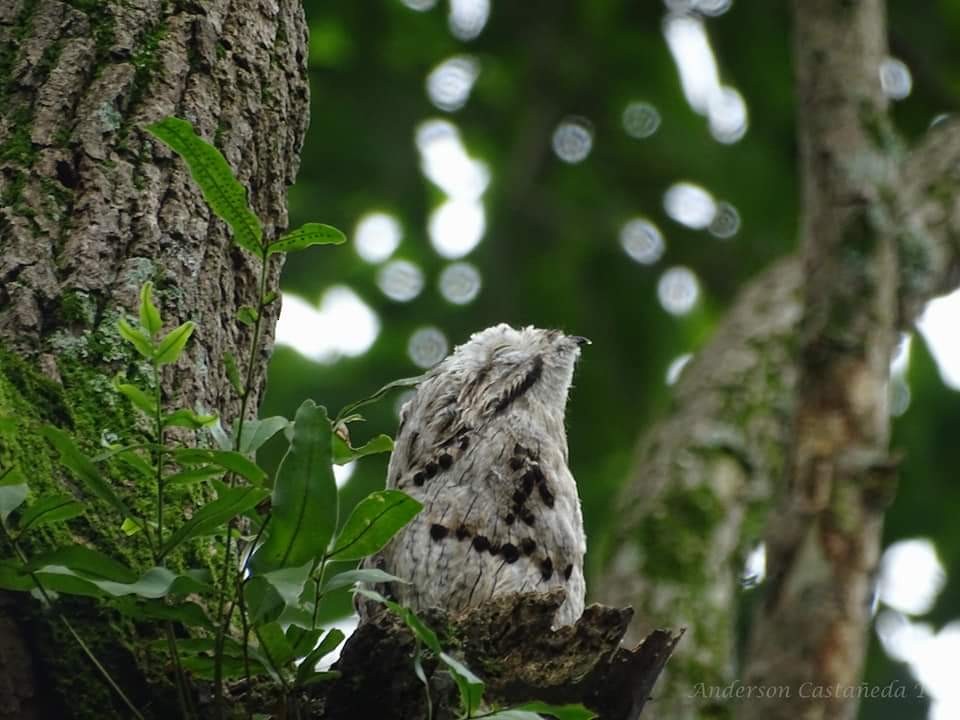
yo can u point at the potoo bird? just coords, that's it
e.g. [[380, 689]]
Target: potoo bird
[[482, 444]]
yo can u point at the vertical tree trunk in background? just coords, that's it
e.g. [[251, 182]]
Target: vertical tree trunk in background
[[823, 541], [91, 208]]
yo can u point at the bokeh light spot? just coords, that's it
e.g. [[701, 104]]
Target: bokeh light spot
[[445, 162], [678, 290], [895, 79], [689, 205], [460, 283], [427, 347], [376, 236], [640, 119], [726, 221], [449, 84], [573, 140], [468, 17], [456, 227], [938, 325], [676, 367], [400, 280], [911, 576], [727, 115], [420, 5], [342, 325], [342, 473], [642, 241]]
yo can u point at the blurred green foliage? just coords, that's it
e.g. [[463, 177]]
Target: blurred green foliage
[[551, 253]]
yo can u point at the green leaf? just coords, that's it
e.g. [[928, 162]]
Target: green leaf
[[318, 677], [133, 459], [169, 349], [270, 297], [344, 453], [302, 640], [208, 519], [351, 408], [364, 575], [228, 459], [83, 468], [193, 475], [331, 641], [85, 561], [274, 646], [419, 628], [48, 510], [469, 685], [225, 196], [140, 398], [247, 315], [231, 668], [560, 712], [135, 337], [188, 419], [263, 600], [13, 491], [256, 432], [130, 527], [304, 496], [375, 519], [186, 613], [304, 237], [149, 315], [233, 371]]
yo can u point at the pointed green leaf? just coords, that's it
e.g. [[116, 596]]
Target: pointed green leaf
[[344, 453], [187, 613], [350, 409], [371, 576], [469, 685], [149, 315], [233, 461], [130, 527], [560, 712], [135, 337], [49, 510], [419, 628], [304, 237], [304, 496], [13, 491], [84, 468], [331, 641], [225, 196], [270, 297], [274, 651], [233, 372], [156, 582], [85, 561], [264, 602], [140, 398], [209, 518], [188, 419], [302, 640], [247, 315], [256, 432], [375, 519], [193, 475], [169, 349], [133, 459]]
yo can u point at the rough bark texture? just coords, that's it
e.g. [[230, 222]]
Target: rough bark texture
[[91, 208], [510, 644]]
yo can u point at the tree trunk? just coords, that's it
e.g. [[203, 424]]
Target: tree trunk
[[91, 208]]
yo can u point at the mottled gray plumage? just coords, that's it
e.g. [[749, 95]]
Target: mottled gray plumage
[[483, 446]]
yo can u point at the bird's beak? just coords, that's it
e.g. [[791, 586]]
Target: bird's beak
[[580, 340]]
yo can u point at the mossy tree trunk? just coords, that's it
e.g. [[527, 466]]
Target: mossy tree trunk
[[90, 208]]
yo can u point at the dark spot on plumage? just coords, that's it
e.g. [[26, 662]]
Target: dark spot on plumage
[[438, 532], [536, 473], [527, 516], [546, 568], [412, 448], [493, 549], [462, 532], [545, 495], [519, 449], [568, 571], [419, 478], [510, 552], [527, 485], [509, 518], [516, 463], [519, 496], [480, 543], [445, 460], [464, 442], [430, 469], [528, 545], [522, 387]]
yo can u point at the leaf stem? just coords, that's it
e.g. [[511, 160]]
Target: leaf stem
[[223, 620]]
